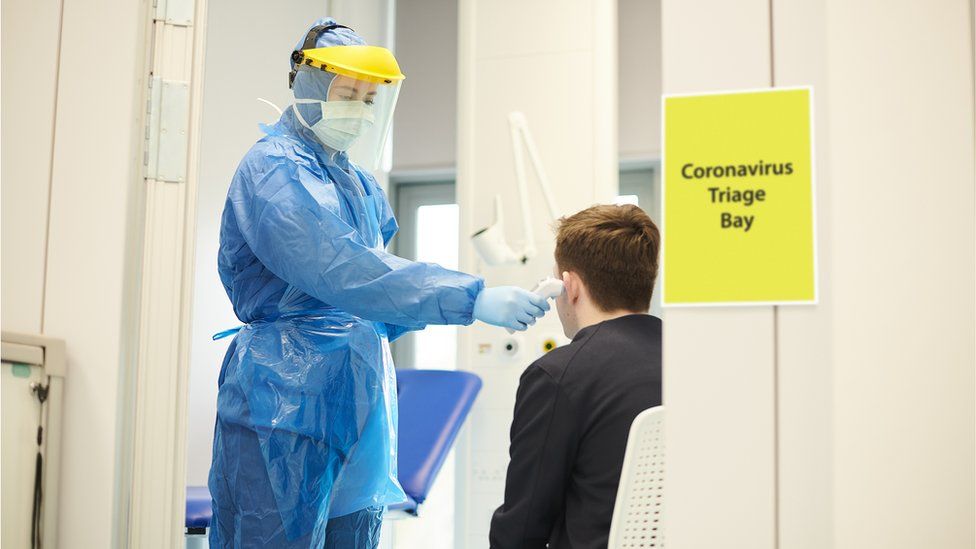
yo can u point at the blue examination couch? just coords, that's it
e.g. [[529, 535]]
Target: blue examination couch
[[433, 405]]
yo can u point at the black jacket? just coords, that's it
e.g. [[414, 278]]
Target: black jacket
[[573, 413]]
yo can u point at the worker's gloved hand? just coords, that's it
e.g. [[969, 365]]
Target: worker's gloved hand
[[509, 307]]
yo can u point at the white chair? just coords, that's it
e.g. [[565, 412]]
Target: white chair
[[638, 515]]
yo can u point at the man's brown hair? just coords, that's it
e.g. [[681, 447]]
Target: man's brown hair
[[614, 250]]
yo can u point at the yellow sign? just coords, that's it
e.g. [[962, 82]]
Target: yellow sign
[[738, 198]]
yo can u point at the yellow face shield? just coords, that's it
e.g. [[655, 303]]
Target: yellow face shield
[[369, 63], [358, 112]]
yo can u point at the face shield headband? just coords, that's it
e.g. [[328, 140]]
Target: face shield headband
[[298, 58]]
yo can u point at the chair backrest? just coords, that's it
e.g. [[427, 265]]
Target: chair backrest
[[638, 515], [433, 405]]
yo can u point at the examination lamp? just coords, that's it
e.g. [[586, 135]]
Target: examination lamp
[[490, 241]]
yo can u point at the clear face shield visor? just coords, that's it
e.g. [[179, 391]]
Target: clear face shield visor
[[357, 112]]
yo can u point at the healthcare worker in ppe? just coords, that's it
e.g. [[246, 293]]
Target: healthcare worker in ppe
[[305, 441]]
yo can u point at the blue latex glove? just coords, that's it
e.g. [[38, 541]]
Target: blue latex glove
[[510, 307]]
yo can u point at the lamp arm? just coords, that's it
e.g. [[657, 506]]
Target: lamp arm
[[540, 171], [529, 249]]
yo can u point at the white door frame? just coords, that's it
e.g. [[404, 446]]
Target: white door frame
[[151, 495]]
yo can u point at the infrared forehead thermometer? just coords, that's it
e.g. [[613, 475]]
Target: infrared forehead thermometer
[[547, 288]]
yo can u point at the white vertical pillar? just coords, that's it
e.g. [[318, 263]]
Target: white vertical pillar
[[804, 346], [554, 60], [93, 248], [31, 31], [719, 363], [847, 424], [901, 149]]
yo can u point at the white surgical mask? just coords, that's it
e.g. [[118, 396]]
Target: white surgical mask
[[341, 124]]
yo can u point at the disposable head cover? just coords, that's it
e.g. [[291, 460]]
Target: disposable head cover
[[349, 111], [306, 407]]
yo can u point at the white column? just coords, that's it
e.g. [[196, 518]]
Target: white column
[[554, 60], [93, 256], [848, 424], [804, 345], [719, 363], [901, 148], [31, 31]]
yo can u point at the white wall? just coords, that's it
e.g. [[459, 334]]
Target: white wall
[[426, 48], [719, 363], [563, 78], [804, 347], [851, 423], [426, 45], [639, 90], [901, 148], [373, 20], [27, 126], [30, 31], [93, 181], [236, 29]]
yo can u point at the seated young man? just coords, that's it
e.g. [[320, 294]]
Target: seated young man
[[575, 405]]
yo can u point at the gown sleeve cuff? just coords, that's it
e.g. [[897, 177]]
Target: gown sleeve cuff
[[472, 286]]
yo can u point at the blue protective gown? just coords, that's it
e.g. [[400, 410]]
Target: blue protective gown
[[306, 411]]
